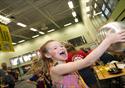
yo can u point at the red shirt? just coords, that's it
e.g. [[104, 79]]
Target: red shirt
[[78, 53]]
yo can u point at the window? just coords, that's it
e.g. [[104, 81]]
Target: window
[[14, 61], [77, 41], [21, 59], [27, 57]]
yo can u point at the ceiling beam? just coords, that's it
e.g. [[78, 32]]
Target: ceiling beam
[[20, 36], [22, 29]]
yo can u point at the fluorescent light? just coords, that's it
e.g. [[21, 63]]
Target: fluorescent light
[[67, 24], [88, 15], [35, 36], [21, 41], [103, 7], [4, 20], [87, 0], [74, 14], [41, 32], [33, 29], [33, 54], [14, 43], [51, 30], [88, 9], [21, 24], [95, 5], [70, 3], [76, 20], [97, 13]]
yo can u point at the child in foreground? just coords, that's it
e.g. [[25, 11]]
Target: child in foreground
[[63, 74]]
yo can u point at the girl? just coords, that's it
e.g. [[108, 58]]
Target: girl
[[62, 74]]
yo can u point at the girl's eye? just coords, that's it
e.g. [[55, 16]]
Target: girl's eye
[[62, 46], [55, 47]]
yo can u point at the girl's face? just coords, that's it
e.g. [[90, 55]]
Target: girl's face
[[56, 50]]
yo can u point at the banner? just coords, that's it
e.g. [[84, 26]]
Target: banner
[[5, 39]]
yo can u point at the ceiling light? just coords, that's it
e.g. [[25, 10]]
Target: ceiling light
[[70, 3], [95, 5], [35, 36], [14, 43], [88, 9], [33, 29], [21, 24], [67, 24], [87, 0], [88, 15], [21, 41], [51, 30], [74, 14], [97, 13], [41, 32], [76, 20], [4, 20]]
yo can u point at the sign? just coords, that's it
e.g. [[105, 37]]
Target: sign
[[5, 39]]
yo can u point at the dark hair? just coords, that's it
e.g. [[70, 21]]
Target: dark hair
[[4, 66], [43, 51], [69, 47]]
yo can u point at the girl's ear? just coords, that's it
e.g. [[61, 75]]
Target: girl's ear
[[48, 55]]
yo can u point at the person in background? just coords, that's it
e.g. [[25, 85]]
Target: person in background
[[34, 61], [62, 73], [9, 79], [12, 73], [37, 77], [72, 52], [86, 73], [48, 80], [2, 78]]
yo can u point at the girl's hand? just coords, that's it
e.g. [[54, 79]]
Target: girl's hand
[[116, 37]]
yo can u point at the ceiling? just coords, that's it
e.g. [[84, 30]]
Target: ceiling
[[42, 15]]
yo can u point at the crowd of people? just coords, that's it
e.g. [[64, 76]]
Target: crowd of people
[[39, 78], [8, 77]]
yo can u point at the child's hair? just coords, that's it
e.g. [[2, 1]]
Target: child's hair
[[36, 67], [45, 60]]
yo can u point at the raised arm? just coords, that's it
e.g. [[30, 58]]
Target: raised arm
[[92, 57]]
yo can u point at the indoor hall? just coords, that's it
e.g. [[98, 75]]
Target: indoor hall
[[25, 25]]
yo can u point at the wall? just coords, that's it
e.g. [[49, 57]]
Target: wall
[[88, 22], [61, 35]]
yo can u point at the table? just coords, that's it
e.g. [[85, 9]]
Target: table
[[102, 72]]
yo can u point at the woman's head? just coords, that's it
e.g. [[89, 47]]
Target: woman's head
[[69, 47], [53, 50], [4, 66], [113, 27]]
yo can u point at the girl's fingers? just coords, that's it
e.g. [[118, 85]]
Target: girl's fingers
[[122, 40], [121, 32]]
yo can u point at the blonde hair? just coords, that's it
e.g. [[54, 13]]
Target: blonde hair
[[112, 27], [36, 67], [46, 61]]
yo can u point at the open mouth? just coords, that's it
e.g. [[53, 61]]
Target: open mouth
[[62, 53]]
